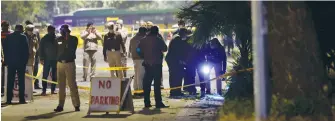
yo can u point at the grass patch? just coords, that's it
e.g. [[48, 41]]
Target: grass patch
[[299, 109]]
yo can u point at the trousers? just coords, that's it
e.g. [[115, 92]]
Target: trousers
[[66, 74], [176, 74], [114, 60], [152, 73], [49, 64], [89, 58], [12, 71], [139, 74]]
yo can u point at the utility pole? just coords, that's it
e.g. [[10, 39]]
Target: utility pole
[[261, 79]]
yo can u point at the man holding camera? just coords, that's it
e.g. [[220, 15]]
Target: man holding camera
[[90, 37]]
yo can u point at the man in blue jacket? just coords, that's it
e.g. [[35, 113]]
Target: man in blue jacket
[[16, 55]]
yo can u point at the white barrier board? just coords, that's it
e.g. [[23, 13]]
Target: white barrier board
[[105, 94], [28, 86]]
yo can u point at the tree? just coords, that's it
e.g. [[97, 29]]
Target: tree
[[19, 11], [213, 18], [296, 62]]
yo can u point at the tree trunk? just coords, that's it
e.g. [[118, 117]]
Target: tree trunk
[[297, 68]]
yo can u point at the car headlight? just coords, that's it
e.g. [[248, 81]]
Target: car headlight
[[205, 69]]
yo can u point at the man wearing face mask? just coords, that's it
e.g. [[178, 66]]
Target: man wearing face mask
[[90, 37], [66, 67], [113, 43], [124, 33], [16, 54], [48, 58], [33, 32]]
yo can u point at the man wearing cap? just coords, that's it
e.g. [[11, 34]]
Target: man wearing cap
[[48, 58], [66, 67], [90, 37], [124, 33], [4, 33], [35, 58], [16, 54], [112, 45]]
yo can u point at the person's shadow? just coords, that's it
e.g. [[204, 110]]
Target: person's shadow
[[147, 111], [45, 116]]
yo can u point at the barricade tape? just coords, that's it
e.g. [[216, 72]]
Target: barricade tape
[[141, 91], [109, 68]]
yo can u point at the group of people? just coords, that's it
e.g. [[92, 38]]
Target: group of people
[[185, 60], [23, 48]]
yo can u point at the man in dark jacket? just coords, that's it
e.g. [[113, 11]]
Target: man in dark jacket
[[152, 48], [175, 59], [4, 33], [16, 55], [48, 57], [202, 69], [218, 60]]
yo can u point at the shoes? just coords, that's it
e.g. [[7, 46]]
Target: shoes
[[23, 102], [38, 87], [161, 106], [202, 94], [43, 94], [192, 93], [77, 108], [58, 109], [147, 105], [53, 92]]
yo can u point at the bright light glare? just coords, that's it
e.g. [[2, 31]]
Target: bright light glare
[[205, 69]]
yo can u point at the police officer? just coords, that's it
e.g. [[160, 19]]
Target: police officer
[[175, 59], [113, 43], [16, 53], [218, 60], [4, 33], [152, 48], [48, 57], [66, 67], [124, 33], [90, 37], [139, 69], [34, 58]]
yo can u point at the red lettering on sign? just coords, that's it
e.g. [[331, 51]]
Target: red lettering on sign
[[103, 84], [105, 100]]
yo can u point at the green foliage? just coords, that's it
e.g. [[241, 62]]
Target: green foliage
[[19, 11], [298, 109]]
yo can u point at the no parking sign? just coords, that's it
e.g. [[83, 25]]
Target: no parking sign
[[105, 94]]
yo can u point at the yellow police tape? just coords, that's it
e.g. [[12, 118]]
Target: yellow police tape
[[141, 91], [110, 68]]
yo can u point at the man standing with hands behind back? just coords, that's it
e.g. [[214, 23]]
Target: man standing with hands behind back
[[90, 37]]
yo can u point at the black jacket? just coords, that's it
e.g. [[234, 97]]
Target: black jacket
[[66, 49], [48, 47], [16, 50], [177, 50]]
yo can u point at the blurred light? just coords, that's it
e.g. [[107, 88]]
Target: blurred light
[[205, 69]]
